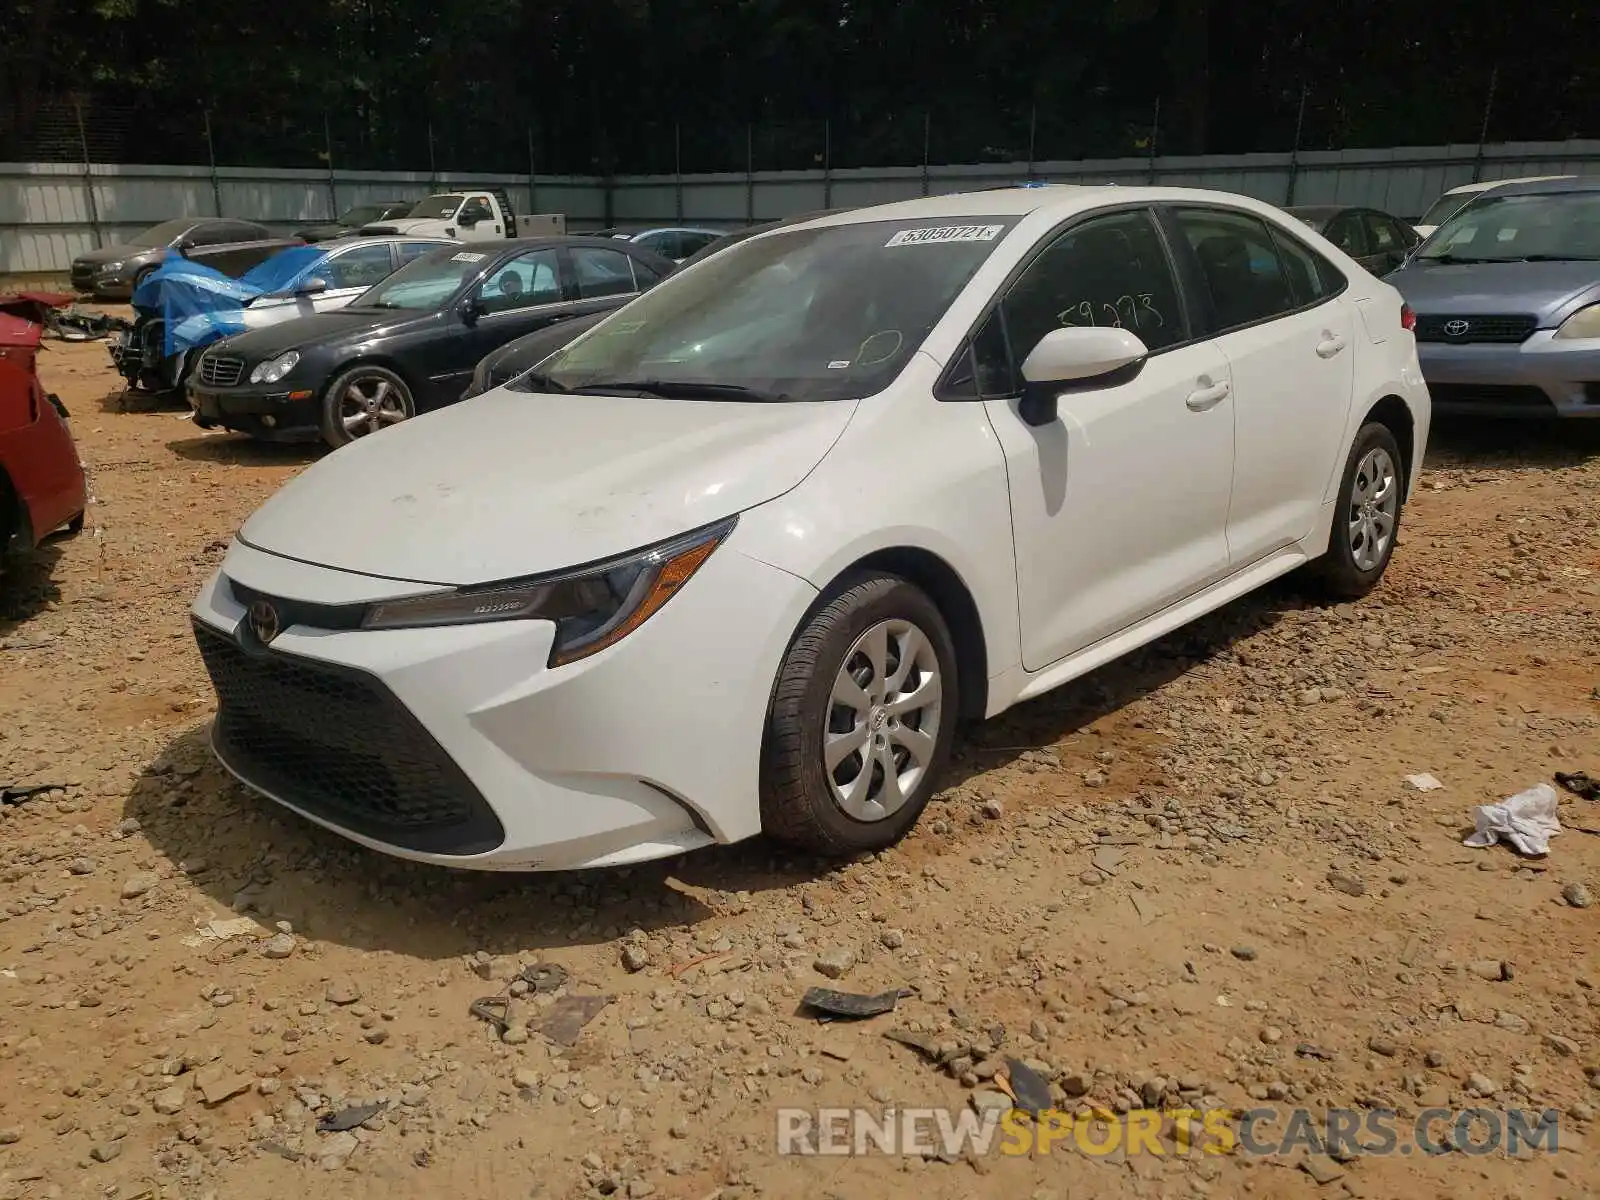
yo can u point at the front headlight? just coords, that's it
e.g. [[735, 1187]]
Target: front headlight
[[271, 372], [592, 608], [1585, 323], [110, 268]]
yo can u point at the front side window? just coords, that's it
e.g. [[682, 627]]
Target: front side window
[[477, 208], [410, 250], [214, 233], [1536, 226], [360, 266], [827, 313], [528, 279], [1244, 277], [1110, 271], [1345, 232], [602, 272]]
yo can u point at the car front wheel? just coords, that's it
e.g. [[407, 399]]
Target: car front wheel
[[1366, 521], [861, 719], [363, 400]]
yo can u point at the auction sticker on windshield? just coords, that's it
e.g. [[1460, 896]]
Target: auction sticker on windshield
[[466, 256], [945, 233]]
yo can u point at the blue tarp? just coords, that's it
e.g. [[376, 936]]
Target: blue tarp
[[200, 304]]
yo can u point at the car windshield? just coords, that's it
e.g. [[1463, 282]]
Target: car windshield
[[815, 314], [436, 207], [424, 283], [1444, 206], [362, 214], [162, 234], [1540, 226]]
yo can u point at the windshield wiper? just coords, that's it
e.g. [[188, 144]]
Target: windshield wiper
[[537, 381], [675, 389], [1457, 258], [1559, 258]]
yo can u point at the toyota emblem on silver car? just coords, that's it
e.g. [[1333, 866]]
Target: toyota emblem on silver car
[[1457, 327], [264, 621]]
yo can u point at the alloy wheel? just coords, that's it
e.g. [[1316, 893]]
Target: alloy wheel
[[882, 724], [370, 403], [1374, 508]]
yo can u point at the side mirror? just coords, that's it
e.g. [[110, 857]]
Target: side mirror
[[467, 218], [1076, 355], [471, 309], [312, 287]]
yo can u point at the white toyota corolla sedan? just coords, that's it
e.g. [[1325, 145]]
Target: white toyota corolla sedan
[[741, 556]]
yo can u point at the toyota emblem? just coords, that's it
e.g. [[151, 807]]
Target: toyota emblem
[[1457, 327], [264, 621]]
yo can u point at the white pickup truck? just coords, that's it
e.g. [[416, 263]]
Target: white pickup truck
[[465, 216]]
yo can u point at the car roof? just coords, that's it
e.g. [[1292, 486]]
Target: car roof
[[356, 239], [1320, 212], [1551, 186], [1485, 185]]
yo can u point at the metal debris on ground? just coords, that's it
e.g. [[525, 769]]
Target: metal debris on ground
[[853, 1005], [544, 977], [565, 1019], [1579, 783], [921, 1043], [1307, 1050], [1027, 1087], [494, 1009], [349, 1118]]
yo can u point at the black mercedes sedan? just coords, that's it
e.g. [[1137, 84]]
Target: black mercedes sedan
[[410, 343]]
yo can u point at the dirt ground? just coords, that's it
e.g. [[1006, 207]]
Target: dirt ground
[[1197, 879]]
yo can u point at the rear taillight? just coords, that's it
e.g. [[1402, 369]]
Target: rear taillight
[[1408, 318]]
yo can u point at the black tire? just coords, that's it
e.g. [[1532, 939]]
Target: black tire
[[138, 279], [76, 524], [797, 800], [1337, 574], [362, 376]]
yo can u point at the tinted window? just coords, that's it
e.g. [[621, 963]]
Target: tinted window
[[162, 234], [478, 206], [410, 250], [1109, 271], [528, 279], [644, 276], [1382, 236], [214, 233], [1345, 232], [1244, 277], [602, 272], [693, 243], [360, 266], [1311, 277]]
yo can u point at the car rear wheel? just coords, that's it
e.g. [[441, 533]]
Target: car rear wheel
[[861, 719], [1366, 521], [363, 400]]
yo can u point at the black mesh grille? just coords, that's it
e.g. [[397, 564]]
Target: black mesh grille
[[1504, 395], [301, 612], [1469, 328], [338, 744]]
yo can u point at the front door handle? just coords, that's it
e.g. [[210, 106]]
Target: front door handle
[[1329, 345], [1209, 395]]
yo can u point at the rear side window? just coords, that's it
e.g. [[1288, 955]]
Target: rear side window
[[602, 272], [644, 276], [1311, 277], [1244, 275], [360, 266]]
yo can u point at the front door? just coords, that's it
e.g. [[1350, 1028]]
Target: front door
[[524, 293], [1119, 506], [476, 220], [1277, 312]]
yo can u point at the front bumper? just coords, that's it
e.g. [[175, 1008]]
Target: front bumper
[[269, 411], [642, 751], [1541, 377], [114, 285]]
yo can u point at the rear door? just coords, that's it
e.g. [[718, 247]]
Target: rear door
[[606, 279], [1278, 311]]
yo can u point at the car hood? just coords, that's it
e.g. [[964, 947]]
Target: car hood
[[326, 232], [1547, 289], [105, 254], [515, 484], [324, 328]]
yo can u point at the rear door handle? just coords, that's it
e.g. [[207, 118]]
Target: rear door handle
[[1329, 345], [1208, 396]]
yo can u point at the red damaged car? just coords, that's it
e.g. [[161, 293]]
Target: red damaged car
[[42, 487]]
